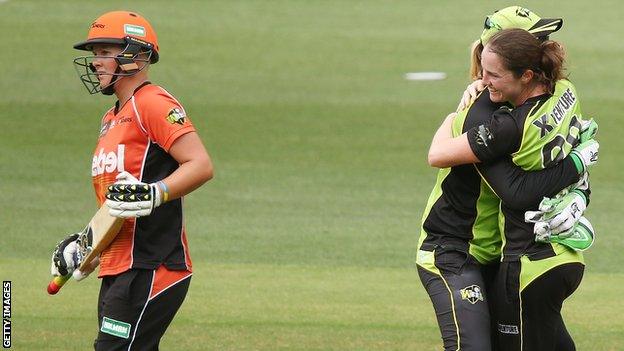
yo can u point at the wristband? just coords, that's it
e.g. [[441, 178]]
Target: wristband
[[165, 191], [580, 166]]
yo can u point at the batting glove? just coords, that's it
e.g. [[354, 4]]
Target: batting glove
[[557, 215], [129, 197], [65, 258], [579, 238]]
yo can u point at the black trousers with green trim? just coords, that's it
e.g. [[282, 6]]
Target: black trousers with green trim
[[530, 320], [459, 294]]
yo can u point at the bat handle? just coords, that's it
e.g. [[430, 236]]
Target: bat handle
[[86, 269], [79, 275], [56, 283]]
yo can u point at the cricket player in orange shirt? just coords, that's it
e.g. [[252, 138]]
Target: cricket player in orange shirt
[[148, 156]]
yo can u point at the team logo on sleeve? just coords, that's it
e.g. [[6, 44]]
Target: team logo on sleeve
[[484, 135], [471, 293], [176, 116]]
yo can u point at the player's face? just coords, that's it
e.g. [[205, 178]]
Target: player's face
[[104, 62], [502, 84]]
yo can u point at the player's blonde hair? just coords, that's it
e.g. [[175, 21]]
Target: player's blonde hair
[[475, 60]]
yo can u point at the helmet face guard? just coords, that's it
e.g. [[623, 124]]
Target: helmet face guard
[[135, 52]]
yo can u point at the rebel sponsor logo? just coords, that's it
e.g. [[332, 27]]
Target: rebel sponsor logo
[[108, 162], [471, 294]]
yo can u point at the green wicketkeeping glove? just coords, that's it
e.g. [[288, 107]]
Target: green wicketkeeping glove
[[585, 154], [557, 215], [589, 129], [579, 238]]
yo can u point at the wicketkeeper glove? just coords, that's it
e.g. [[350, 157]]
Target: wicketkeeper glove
[[129, 197], [585, 154], [579, 238], [583, 182], [65, 257], [589, 128], [557, 215]]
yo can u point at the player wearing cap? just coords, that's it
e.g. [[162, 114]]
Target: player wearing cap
[[460, 242], [557, 228], [148, 156], [534, 277], [511, 17]]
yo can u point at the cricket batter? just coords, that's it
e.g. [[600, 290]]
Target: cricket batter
[[147, 157]]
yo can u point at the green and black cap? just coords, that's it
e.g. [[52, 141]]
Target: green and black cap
[[519, 17]]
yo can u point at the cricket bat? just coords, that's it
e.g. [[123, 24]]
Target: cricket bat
[[97, 235]]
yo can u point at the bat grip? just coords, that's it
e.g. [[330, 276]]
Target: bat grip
[[86, 269], [56, 283], [79, 275]]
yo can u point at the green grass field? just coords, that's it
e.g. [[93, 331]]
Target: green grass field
[[305, 239]]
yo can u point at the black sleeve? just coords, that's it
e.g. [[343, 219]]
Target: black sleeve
[[496, 138], [522, 190]]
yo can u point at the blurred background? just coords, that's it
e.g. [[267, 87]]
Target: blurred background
[[305, 239]]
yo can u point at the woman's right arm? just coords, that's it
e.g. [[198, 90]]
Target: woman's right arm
[[446, 150], [483, 143]]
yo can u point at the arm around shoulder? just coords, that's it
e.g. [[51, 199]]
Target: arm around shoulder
[[519, 189], [446, 150]]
